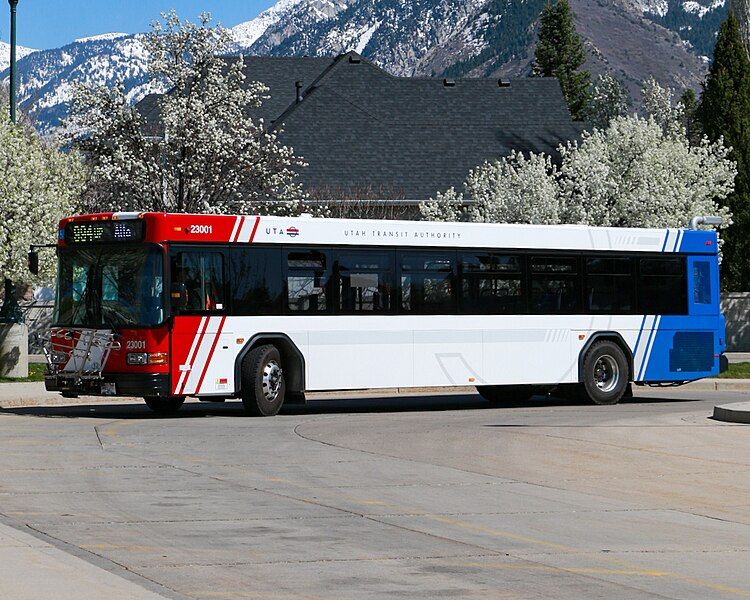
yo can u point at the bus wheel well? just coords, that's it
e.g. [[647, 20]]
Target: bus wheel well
[[292, 360], [609, 336]]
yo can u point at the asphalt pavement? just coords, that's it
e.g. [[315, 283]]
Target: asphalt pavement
[[371, 497]]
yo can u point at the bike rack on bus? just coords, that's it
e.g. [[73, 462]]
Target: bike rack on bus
[[70, 353]]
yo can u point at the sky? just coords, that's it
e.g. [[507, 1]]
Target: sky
[[44, 24]]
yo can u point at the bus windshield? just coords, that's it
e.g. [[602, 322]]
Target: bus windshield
[[106, 286]]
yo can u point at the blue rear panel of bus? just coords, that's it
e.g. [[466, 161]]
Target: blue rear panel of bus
[[684, 348]]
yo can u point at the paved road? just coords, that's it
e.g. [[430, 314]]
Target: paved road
[[394, 497]]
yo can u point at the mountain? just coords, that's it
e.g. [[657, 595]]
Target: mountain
[[495, 37], [46, 77], [5, 54], [670, 40]]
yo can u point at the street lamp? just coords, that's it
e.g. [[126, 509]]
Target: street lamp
[[13, 100]]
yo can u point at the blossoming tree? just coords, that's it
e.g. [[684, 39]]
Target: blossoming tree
[[208, 155]]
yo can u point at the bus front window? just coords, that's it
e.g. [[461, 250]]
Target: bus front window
[[109, 286]]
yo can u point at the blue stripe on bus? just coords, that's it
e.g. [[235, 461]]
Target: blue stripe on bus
[[665, 241], [638, 339], [642, 370], [677, 241]]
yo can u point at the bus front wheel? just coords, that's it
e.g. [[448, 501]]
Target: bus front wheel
[[606, 374], [164, 406], [263, 386]]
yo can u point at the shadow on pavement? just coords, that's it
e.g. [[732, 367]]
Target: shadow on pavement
[[395, 404]]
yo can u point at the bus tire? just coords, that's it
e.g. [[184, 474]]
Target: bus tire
[[164, 406], [605, 375], [263, 386], [497, 395]]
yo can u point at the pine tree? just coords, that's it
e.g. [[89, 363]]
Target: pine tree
[[560, 53], [689, 104], [725, 112]]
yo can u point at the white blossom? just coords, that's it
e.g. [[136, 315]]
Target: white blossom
[[609, 99], [38, 187], [516, 189], [209, 156], [659, 103]]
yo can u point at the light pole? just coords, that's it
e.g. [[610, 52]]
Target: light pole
[[13, 100]]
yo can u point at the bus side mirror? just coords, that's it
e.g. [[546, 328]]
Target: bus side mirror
[[34, 262], [179, 296]]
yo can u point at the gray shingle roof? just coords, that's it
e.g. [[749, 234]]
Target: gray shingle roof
[[364, 132]]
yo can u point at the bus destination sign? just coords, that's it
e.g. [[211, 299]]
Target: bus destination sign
[[91, 232]]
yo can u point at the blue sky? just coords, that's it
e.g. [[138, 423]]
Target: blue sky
[[53, 23]]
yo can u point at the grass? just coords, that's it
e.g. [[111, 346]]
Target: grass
[[36, 373], [737, 371]]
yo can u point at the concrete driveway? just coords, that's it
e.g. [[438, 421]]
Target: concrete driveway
[[408, 497]]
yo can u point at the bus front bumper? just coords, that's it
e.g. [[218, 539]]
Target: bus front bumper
[[110, 384]]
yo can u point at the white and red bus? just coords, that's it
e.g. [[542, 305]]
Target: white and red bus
[[263, 309]]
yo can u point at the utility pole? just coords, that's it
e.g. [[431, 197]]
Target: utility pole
[[13, 75]]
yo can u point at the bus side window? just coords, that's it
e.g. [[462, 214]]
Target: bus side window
[[257, 285], [662, 286], [428, 282], [202, 274], [365, 281], [702, 282], [610, 285], [307, 281], [492, 284], [555, 285]]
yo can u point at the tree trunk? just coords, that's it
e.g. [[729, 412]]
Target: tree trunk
[[741, 10], [10, 312]]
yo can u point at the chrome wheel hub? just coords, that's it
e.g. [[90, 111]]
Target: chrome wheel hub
[[606, 373], [272, 380]]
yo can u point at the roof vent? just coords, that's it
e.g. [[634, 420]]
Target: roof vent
[[449, 82], [501, 83], [354, 59], [298, 86]]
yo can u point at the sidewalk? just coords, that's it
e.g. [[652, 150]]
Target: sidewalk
[[31, 568]]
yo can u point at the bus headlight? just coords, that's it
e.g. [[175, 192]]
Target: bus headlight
[[146, 358]]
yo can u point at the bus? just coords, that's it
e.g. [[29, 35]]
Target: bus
[[264, 309]]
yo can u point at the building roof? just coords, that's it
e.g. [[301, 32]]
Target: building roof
[[367, 134]]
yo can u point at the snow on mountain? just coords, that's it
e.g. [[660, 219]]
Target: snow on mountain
[[47, 77], [5, 54], [102, 36], [247, 33]]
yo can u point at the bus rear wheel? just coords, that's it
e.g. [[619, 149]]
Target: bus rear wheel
[[497, 395], [263, 385], [164, 406], [606, 375]]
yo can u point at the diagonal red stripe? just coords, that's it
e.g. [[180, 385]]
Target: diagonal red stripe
[[190, 359], [210, 354], [236, 236], [255, 228]]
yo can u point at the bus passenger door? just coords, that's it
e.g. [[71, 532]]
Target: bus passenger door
[[201, 362]]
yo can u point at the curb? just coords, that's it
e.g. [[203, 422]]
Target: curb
[[733, 413], [22, 395]]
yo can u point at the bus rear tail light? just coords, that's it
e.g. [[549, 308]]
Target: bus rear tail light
[[146, 358]]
